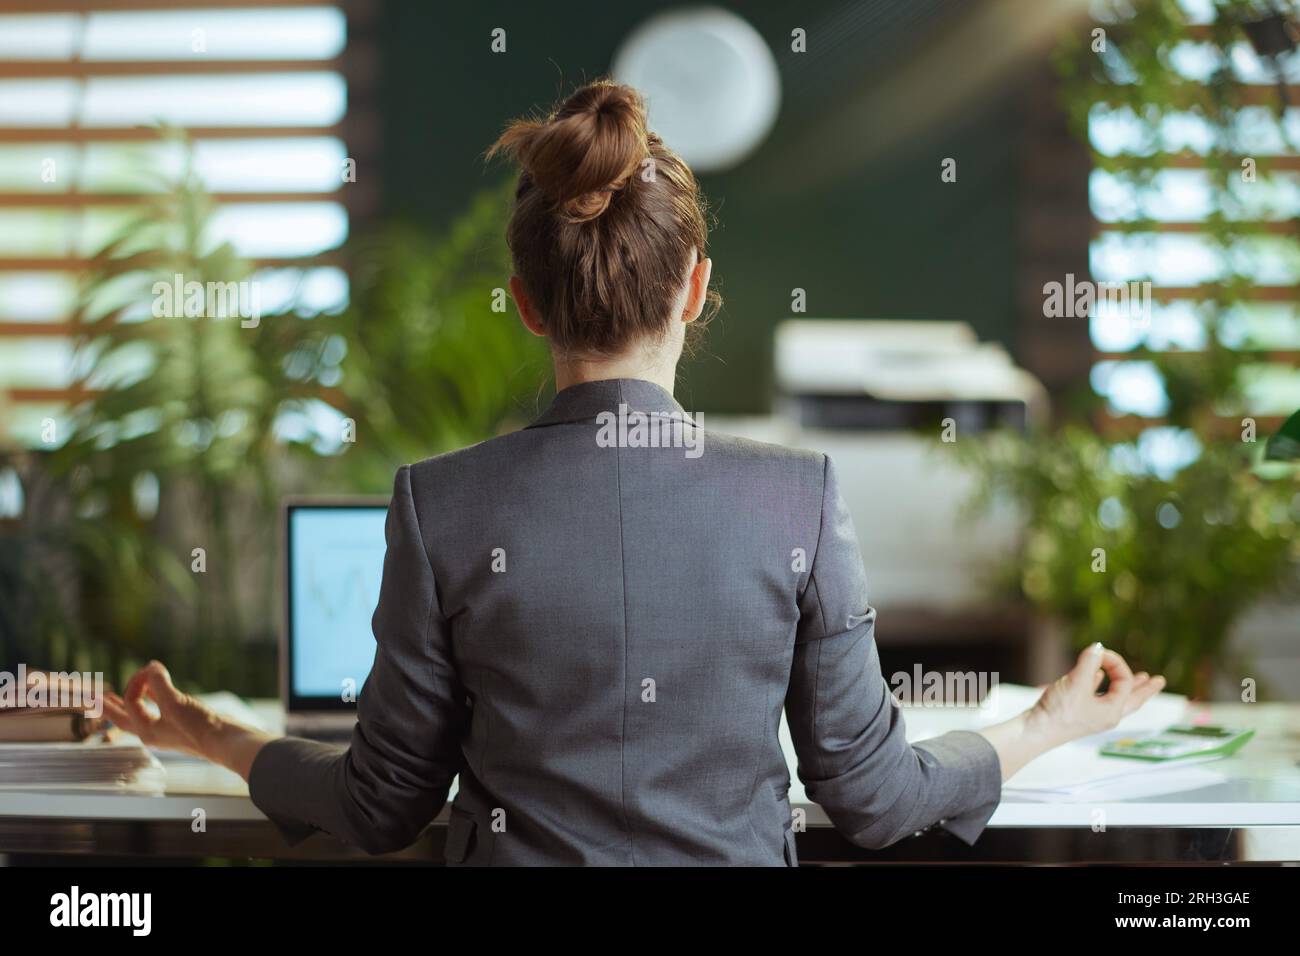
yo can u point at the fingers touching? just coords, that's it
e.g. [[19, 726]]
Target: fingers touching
[[1125, 692], [130, 710]]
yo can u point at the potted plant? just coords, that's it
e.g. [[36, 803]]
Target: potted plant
[[1155, 538]]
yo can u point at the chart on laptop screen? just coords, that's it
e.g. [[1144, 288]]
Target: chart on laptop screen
[[336, 561]]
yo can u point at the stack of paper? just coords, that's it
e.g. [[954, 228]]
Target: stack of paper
[[90, 764], [1076, 773]]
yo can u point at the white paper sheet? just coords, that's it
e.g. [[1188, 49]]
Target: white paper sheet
[[1075, 771]]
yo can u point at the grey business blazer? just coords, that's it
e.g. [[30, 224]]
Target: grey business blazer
[[600, 640]]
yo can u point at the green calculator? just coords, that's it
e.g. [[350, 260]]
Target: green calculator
[[1183, 740]]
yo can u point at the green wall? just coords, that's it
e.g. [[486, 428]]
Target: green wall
[[883, 238]]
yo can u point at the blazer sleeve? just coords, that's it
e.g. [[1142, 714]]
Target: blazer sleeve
[[393, 779], [849, 735]]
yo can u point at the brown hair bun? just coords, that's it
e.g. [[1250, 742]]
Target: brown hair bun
[[585, 152]]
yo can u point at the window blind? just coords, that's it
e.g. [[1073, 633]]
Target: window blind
[[262, 91]]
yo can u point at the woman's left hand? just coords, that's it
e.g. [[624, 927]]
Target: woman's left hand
[[180, 722]]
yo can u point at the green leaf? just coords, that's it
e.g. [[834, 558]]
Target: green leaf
[[1285, 445]]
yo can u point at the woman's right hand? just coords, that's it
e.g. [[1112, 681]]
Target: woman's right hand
[[1071, 707]]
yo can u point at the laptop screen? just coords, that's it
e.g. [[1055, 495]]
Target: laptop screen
[[335, 556]]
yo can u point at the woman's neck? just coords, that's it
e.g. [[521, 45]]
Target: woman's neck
[[652, 366]]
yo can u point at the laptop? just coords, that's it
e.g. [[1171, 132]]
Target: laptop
[[333, 552]]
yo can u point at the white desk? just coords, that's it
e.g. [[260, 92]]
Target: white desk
[[1252, 813]]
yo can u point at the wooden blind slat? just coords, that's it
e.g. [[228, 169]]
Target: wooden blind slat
[[75, 393], [126, 6], [1261, 356], [1259, 293], [357, 64], [352, 130], [1281, 227], [37, 329], [1130, 426], [198, 65], [80, 200], [1192, 93], [1281, 163], [76, 263]]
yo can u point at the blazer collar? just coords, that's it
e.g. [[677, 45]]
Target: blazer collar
[[588, 399]]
